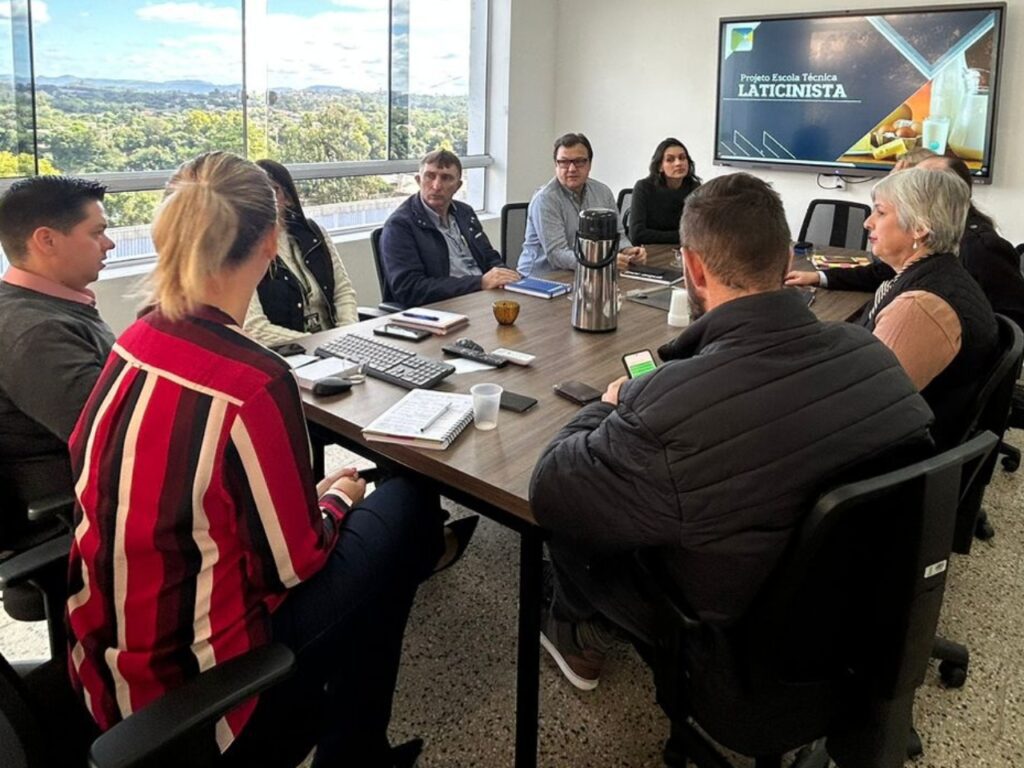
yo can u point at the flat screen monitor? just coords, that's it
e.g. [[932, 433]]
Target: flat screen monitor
[[847, 93]]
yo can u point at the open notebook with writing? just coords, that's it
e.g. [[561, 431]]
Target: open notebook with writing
[[423, 418]]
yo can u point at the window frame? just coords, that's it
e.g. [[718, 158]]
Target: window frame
[[477, 139]]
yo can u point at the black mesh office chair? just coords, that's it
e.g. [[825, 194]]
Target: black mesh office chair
[[623, 202], [513, 232], [837, 642], [1011, 459], [387, 299], [44, 725], [989, 414], [46, 534], [837, 223]]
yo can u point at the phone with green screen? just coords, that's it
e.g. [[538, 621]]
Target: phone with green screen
[[639, 363]]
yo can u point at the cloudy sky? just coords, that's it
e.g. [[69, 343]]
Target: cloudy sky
[[292, 43]]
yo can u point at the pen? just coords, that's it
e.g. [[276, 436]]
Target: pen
[[421, 317], [433, 419], [810, 301]]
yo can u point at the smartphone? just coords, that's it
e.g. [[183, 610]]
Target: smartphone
[[401, 332], [289, 348], [577, 391], [639, 363], [515, 402]]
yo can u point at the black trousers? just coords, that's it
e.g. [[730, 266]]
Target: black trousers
[[345, 626]]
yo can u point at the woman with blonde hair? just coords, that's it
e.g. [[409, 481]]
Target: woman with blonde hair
[[200, 532]]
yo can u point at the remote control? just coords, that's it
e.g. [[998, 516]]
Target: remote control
[[472, 354], [518, 358]]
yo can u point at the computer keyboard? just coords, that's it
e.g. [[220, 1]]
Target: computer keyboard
[[387, 362]]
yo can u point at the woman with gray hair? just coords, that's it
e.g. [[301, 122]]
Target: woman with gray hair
[[930, 313]]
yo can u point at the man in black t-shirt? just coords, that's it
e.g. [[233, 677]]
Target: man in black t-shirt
[[52, 340]]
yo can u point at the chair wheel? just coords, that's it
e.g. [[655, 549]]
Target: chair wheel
[[1011, 463], [674, 754], [983, 529], [914, 746], [952, 675]]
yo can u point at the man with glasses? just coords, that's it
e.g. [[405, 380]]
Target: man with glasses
[[433, 247], [553, 216]]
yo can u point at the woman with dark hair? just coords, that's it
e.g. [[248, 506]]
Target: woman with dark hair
[[306, 288], [658, 200]]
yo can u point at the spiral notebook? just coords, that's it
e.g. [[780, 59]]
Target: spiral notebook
[[423, 418]]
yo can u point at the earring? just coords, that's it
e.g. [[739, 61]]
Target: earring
[[915, 245]]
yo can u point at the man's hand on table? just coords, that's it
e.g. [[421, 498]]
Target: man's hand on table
[[496, 277], [636, 254], [803, 278]]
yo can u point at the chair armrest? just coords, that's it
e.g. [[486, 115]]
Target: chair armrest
[[368, 313], [60, 505], [151, 735], [25, 566]]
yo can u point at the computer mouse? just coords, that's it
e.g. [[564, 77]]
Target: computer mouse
[[469, 344], [331, 385]]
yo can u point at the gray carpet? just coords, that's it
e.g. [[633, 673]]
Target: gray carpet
[[457, 684]]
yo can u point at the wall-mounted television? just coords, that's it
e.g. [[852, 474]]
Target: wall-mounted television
[[848, 92]]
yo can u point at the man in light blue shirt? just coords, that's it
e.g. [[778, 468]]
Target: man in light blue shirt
[[553, 216]]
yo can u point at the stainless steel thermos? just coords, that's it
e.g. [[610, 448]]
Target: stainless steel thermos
[[595, 299]]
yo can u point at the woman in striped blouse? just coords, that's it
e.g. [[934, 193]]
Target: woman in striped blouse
[[201, 533]]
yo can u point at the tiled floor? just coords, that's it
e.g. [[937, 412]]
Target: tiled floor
[[457, 685]]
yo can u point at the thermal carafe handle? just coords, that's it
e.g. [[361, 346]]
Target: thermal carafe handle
[[597, 225]]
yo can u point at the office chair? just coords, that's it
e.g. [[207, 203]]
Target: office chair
[[1011, 459], [513, 232], [387, 304], [836, 643], [43, 724], [990, 410], [837, 223], [42, 597], [990, 414], [623, 202]]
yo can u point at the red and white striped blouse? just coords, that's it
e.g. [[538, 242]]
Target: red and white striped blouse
[[197, 511]]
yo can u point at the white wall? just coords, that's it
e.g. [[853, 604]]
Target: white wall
[[630, 74]]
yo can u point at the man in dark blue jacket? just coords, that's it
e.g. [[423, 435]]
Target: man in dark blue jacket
[[433, 247]]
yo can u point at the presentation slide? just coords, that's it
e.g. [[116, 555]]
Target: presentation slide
[[858, 91]]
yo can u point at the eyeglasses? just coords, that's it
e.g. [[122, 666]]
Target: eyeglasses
[[576, 162]]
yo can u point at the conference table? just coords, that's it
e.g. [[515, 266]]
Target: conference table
[[489, 471]]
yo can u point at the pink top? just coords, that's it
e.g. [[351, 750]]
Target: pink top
[[44, 285], [923, 331]]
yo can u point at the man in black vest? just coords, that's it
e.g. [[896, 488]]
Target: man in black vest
[[713, 458]]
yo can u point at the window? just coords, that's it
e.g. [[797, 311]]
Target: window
[[348, 94]]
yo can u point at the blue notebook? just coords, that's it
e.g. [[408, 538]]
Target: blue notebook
[[534, 286]]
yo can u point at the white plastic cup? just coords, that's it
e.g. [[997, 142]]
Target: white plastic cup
[[486, 400], [679, 309], [935, 133]]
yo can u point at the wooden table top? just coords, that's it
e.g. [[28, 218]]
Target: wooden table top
[[495, 466]]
